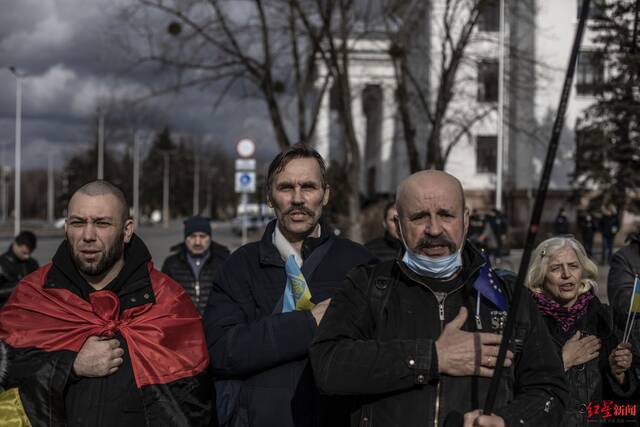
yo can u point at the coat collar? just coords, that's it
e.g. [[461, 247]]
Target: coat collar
[[269, 255]]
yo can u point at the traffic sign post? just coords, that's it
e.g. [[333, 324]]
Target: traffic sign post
[[245, 182], [245, 178]]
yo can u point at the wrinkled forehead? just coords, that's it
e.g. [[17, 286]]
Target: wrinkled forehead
[[564, 254], [100, 206], [417, 197], [300, 170]]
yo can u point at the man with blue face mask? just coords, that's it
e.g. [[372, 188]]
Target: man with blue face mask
[[417, 338]]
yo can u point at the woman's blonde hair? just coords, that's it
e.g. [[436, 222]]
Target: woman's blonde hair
[[539, 266]]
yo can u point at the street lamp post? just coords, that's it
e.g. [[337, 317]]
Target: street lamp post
[[501, 137], [18, 158], [50, 190], [196, 183], [165, 191], [100, 143], [136, 180]]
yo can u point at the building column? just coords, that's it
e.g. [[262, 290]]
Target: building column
[[359, 126], [385, 179], [322, 132]]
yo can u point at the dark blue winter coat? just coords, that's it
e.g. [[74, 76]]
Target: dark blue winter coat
[[250, 340]]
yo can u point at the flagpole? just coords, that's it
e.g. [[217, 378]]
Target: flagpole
[[633, 293], [536, 215], [500, 133]]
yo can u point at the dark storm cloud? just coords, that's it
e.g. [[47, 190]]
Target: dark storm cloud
[[66, 48]]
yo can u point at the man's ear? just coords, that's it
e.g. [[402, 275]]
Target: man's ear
[[128, 230], [325, 198], [465, 220], [269, 201]]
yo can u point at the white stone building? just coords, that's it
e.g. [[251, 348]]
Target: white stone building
[[539, 35]]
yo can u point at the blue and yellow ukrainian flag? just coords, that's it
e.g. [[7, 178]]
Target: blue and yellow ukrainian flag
[[297, 295], [635, 297]]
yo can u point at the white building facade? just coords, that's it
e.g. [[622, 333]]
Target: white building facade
[[538, 38]]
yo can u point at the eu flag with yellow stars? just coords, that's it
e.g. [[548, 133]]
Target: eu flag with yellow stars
[[488, 285]]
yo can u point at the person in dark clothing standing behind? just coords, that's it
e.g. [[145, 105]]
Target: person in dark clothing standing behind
[[16, 263], [609, 227], [561, 224], [386, 247], [269, 297], [562, 280], [588, 226], [196, 260], [625, 266]]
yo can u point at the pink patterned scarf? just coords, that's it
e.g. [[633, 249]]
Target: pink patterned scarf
[[565, 317]]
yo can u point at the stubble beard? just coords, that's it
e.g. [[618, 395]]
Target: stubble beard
[[107, 259]]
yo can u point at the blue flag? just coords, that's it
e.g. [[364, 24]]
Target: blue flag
[[488, 285]]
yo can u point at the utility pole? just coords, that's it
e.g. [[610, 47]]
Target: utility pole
[[18, 153], [100, 143], [4, 177], [50, 190], [196, 182], [136, 180], [165, 191], [500, 139]]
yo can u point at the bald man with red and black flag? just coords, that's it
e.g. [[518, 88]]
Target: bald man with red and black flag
[[99, 337]]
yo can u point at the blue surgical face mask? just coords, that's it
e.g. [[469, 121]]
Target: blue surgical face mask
[[437, 268]]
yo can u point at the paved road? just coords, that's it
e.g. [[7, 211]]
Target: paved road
[[159, 240]]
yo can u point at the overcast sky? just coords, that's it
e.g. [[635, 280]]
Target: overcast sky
[[66, 50]]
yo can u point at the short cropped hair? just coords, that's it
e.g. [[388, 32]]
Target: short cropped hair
[[539, 266], [26, 238], [296, 151], [101, 187]]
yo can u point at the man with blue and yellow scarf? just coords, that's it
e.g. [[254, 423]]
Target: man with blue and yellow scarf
[[269, 297]]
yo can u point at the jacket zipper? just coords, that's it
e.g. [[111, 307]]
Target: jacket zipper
[[197, 287], [441, 300]]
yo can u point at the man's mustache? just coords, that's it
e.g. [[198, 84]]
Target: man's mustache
[[428, 241], [298, 209]]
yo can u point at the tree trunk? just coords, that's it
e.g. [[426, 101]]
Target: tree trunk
[[407, 125], [434, 155]]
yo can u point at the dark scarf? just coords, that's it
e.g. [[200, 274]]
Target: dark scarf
[[566, 317]]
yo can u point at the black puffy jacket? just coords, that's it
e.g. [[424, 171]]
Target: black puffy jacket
[[591, 382], [384, 354], [177, 267]]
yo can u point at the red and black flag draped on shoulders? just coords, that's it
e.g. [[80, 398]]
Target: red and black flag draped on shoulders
[[163, 380]]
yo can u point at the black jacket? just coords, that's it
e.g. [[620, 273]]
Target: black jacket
[[384, 248], [177, 267], [12, 270], [250, 339], [384, 354], [625, 265], [54, 396], [591, 382]]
